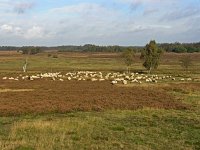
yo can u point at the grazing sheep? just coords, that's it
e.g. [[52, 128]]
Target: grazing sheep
[[138, 77], [115, 77], [101, 79], [135, 80], [93, 79], [114, 82], [79, 79], [11, 78], [127, 77], [61, 80], [125, 82], [147, 80], [155, 81]]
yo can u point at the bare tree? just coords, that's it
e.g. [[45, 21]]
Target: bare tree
[[128, 56], [25, 65], [186, 62]]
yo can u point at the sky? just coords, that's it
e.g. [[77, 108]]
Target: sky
[[100, 22]]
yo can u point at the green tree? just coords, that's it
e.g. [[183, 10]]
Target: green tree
[[128, 57], [30, 50], [151, 55], [179, 49]]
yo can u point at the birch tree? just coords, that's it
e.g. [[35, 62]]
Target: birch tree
[[151, 55]]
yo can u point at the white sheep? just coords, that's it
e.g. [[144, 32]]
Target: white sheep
[[114, 82], [125, 82], [61, 80]]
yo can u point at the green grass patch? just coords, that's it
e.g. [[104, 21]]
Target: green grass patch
[[147, 128]]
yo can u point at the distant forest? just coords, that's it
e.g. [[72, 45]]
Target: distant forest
[[168, 47]]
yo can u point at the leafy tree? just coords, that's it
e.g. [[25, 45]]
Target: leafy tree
[[151, 55], [186, 62], [128, 57], [30, 50], [179, 49], [192, 49]]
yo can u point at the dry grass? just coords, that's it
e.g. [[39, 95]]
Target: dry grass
[[15, 90]]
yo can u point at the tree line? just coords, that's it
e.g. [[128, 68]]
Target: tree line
[[168, 47], [97, 48], [180, 47]]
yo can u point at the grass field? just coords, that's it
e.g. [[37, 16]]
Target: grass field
[[53, 115], [13, 61]]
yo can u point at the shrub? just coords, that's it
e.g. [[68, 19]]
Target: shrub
[[55, 56]]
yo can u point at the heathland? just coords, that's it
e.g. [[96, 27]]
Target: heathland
[[62, 114]]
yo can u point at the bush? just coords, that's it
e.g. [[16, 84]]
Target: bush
[[55, 56]]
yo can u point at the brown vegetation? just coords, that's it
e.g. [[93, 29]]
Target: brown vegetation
[[55, 96]]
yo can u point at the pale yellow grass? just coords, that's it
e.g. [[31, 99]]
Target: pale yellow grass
[[45, 134], [15, 90]]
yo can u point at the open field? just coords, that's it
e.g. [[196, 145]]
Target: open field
[[44, 114], [13, 62]]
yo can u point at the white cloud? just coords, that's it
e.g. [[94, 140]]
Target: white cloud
[[6, 28], [82, 7], [34, 32], [30, 33], [149, 27], [95, 22]]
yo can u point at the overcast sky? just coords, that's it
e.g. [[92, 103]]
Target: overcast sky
[[101, 22]]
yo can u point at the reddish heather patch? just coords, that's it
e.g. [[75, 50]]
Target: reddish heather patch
[[55, 96]]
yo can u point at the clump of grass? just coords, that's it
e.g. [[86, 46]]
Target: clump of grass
[[118, 128], [55, 56], [49, 55], [178, 90], [24, 148]]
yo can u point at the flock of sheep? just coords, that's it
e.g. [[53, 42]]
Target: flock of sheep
[[114, 78]]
